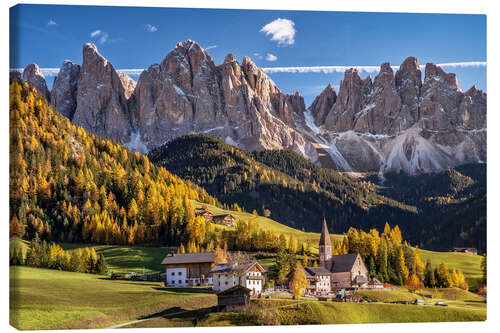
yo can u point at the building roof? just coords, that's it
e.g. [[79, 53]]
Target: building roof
[[317, 271], [343, 262], [188, 258], [374, 281], [223, 216], [464, 249], [360, 279], [232, 289], [325, 236], [227, 269]]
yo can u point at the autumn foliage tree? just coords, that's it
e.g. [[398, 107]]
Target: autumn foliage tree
[[299, 281], [69, 185], [413, 283]]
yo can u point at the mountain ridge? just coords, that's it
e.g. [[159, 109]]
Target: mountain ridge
[[397, 123]]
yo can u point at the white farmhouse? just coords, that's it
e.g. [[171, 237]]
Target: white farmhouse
[[188, 269], [249, 275]]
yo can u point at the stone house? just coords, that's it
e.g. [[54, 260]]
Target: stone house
[[188, 269]]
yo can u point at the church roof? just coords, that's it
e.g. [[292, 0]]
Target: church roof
[[317, 271], [343, 262], [325, 236]]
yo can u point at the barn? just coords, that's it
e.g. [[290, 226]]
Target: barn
[[234, 299]]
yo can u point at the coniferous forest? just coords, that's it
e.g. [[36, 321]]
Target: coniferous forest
[[68, 185], [298, 193]]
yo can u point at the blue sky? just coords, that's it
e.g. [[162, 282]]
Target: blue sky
[[136, 37]]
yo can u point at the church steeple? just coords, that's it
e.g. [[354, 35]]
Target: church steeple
[[325, 245]]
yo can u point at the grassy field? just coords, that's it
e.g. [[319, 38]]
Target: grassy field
[[269, 224], [50, 299], [470, 264], [465, 307]]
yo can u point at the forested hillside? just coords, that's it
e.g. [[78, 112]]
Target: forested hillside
[[290, 189], [453, 203], [68, 185], [296, 192]]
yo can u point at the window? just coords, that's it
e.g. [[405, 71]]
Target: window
[[173, 273], [226, 283], [179, 273], [186, 281], [180, 281]]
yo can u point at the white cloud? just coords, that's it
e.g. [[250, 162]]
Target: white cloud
[[463, 64], [151, 28], [368, 69], [271, 57], [104, 38], [95, 33], [257, 55], [51, 23], [281, 31], [312, 69], [210, 47]]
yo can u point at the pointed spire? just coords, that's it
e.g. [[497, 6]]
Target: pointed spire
[[325, 236]]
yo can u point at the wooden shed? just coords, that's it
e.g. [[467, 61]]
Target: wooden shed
[[234, 299]]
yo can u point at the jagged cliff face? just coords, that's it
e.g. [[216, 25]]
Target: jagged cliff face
[[65, 88], [188, 93], [34, 76], [394, 123], [101, 105], [400, 124]]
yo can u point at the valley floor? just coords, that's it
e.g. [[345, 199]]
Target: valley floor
[[50, 299]]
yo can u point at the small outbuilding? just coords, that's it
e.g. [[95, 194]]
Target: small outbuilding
[[375, 284], [470, 250], [224, 219], [207, 215], [234, 299]]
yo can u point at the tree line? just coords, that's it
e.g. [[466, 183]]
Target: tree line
[[50, 255]]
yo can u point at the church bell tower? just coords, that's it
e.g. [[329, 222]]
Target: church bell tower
[[325, 246]]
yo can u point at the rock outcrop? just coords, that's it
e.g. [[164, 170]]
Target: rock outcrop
[[64, 90], [400, 124], [101, 105], [34, 76]]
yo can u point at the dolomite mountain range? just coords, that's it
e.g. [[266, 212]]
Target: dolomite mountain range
[[396, 122]]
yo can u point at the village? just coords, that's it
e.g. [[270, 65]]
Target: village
[[234, 282]]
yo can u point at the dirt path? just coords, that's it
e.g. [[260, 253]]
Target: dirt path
[[141, 320]]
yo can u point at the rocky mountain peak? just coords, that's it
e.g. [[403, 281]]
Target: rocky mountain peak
[[101, 102], [322, 104], [408, 84], [128, 84], [34, 76], [64, 90], [230, 58], [434, 72]]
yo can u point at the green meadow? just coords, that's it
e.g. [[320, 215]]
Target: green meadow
[[51, 299], [310, 312]]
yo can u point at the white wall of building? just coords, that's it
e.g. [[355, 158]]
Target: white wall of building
[[177, 277], [225, 281]]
